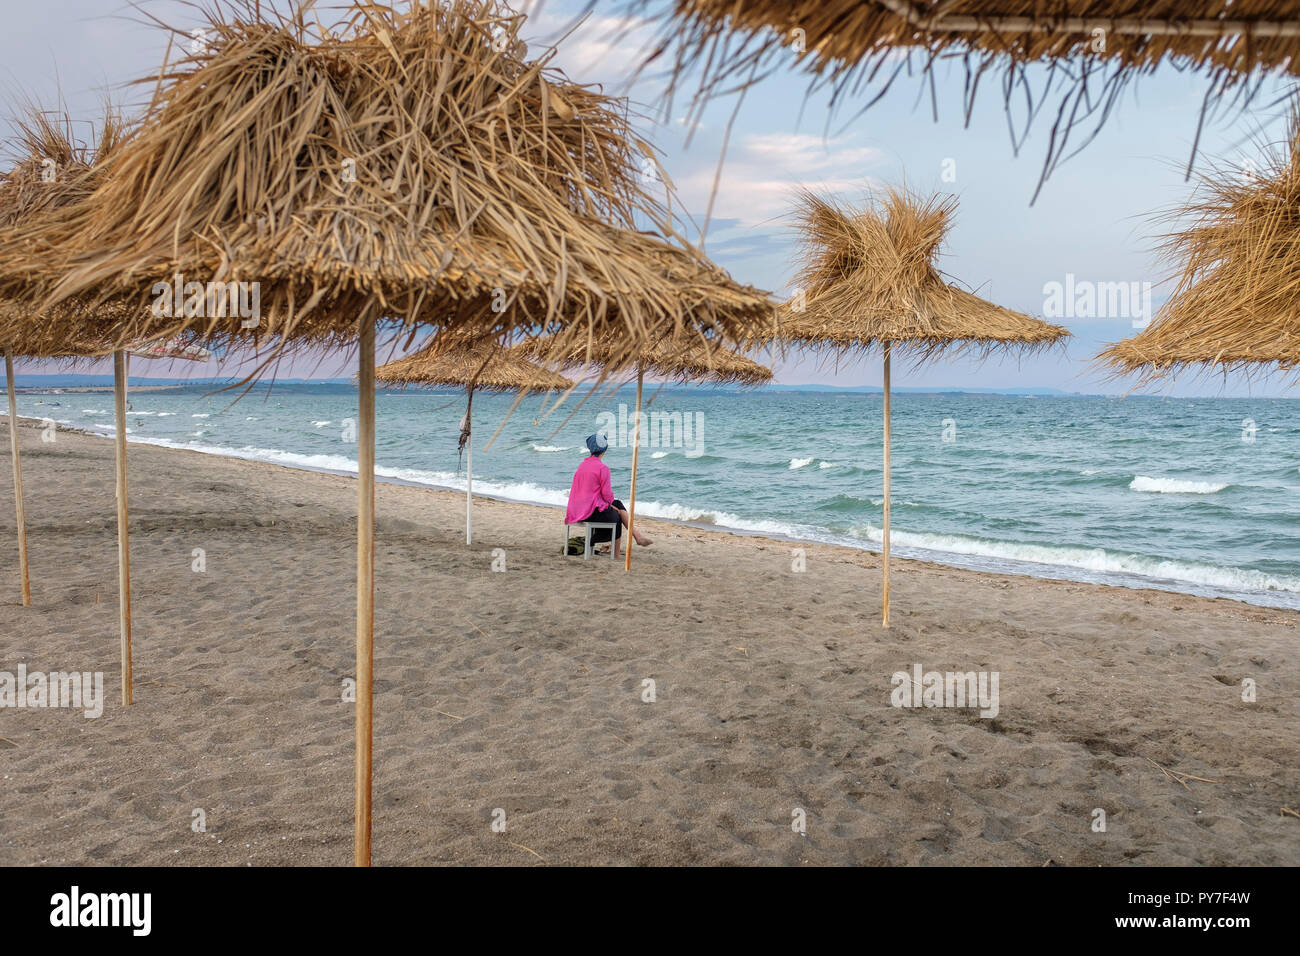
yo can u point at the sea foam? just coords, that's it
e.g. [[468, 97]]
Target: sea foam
[[1097, 560], [1176, 486]]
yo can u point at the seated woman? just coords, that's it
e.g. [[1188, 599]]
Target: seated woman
[[591, 497]]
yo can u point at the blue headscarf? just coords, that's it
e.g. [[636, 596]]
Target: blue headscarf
[[597, 444]]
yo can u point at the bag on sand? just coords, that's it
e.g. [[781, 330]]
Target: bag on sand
[[576, 544]]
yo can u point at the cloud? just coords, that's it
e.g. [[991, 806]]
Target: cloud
[[763, 169], [805, 153], [604, 50]]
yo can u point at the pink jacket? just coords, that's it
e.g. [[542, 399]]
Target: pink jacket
[[591, 490]]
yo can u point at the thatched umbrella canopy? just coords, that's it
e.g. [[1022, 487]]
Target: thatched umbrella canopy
[[436, 176], [840, 34], [473, 364], [407, 163], [480, 365], [1237, 299], [53, 169], [867, 279], [690, 359], [850, 45]]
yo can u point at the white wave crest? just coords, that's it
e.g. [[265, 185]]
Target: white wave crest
[[1176, 486], [1094, 559]]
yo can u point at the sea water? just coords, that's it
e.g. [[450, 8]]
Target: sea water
[[1193, 495]]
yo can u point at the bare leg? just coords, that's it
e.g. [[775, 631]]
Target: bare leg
[[637, 536]]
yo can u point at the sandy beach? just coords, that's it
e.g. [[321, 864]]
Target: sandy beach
[[524, 691]]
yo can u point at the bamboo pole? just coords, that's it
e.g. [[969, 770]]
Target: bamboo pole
[[884, 538], [636, 448], [365, 594], [120, 368], [469, 469], [18, 481]]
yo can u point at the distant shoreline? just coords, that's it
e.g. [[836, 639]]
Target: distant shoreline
[[769, 389], [75, 389]]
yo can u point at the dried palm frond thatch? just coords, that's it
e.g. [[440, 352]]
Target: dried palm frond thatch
[[869, 278], [53, 169], [680, 361], [54, 172], [404, 162], [1094, 49], [480, 365], [1236, 254]]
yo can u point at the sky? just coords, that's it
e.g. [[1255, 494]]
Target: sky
[[1095, 221]]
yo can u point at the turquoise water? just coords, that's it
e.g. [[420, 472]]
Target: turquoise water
[[1194, 495]]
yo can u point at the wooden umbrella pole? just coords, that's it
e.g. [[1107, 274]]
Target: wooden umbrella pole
[[636, 448], [123, 532], [469, 469], [18, 481], [365, 593], [884, 538]]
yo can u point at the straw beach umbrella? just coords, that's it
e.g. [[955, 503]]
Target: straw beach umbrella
[[403, 163], [841, 34], [481, 365], [55, 173], [1236, 304], [53, 170], [690, 360], [867, 280], [851, 45], [464, 187]]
